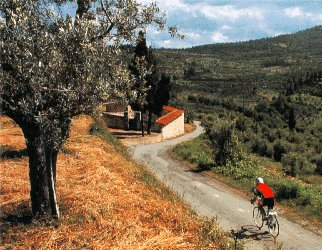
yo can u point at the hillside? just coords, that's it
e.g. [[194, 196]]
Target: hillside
[[106, 200], [235, 69], [306, 41], [261, 101]]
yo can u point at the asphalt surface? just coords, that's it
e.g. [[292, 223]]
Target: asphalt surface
[[211, 199]]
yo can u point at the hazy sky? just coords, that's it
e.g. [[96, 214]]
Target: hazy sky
[[217, 21]]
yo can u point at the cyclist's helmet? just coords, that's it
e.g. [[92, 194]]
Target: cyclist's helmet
[[259, 180]]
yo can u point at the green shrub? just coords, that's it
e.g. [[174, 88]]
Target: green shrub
[[285, 189], [261, 147], [271, 136], [195, 152], [280, 148], [306, 167], [295, 164], [290, 164], [317, 160], [294, 138], [270, 151], [242, 123], [262, 106], [243, 170]]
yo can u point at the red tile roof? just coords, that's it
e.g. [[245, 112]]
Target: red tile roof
[[170, 117], [168, 108]]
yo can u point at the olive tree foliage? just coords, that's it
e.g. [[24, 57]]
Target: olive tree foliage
[[55, 66]]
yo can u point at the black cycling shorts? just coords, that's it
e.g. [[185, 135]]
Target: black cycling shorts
[[269, 202]]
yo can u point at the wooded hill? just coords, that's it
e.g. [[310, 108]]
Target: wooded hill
[[263, 98], [264, 64]]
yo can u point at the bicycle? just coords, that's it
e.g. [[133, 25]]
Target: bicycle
[[259, 214]]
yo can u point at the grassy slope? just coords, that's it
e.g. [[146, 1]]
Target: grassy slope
[[106, 201]]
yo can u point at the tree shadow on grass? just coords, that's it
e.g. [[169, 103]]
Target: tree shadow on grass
[[201, 168], [126, 134], [21, 219], [7, 152], [20, 216]]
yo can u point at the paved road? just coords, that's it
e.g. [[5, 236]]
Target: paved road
[[212, 199]]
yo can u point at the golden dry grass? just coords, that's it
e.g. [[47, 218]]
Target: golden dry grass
[[104, 204]]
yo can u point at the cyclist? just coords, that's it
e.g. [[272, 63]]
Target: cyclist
[[266, 194]]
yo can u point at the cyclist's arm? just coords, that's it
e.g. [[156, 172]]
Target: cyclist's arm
[[255, 192]]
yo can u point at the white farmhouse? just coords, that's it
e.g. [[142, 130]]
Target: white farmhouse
[[171, 123]]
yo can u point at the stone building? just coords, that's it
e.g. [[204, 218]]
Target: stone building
[[171, 123], [121, 116]]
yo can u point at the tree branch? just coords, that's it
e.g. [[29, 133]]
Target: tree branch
[[13, 72], [101, 36], [83, 7]]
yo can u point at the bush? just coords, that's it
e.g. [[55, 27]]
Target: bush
[[294, 138], [285, 189], [280, 148], [290, 164], [195, 152], [295, 164], [270, 151], [262, 106], [229, 148], [271, 136], [243, 170], [306, 167], [317, 160], [261, 146], [242, 124]]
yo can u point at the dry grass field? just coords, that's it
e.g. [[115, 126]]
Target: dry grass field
[[106, 201]]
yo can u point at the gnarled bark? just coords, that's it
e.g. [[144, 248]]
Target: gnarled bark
[[42, 174]]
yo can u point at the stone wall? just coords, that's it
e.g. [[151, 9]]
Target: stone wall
[[116, 107], [116, 121], [123, 120]]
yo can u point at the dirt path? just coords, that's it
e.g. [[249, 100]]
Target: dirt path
[[211, 199]]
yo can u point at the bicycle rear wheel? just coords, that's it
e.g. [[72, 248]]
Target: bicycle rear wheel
[[258, 217], [274, 228]]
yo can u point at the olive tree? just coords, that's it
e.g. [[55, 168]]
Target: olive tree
[[55, 66]]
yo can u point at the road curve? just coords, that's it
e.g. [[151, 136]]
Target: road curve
[[211, 199]]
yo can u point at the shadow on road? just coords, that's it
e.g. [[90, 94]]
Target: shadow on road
[[201, 168], [252, 232]]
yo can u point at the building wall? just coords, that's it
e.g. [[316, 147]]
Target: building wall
[[123, 121], [174, 128], [156, 127], [116, 107], [135, 121], [116, 121]]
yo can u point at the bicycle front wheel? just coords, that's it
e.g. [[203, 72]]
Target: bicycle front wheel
[[258, 217], [274, 228]]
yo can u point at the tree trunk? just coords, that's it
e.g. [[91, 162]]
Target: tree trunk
[[149, 123], [142, 123], [42, 173]]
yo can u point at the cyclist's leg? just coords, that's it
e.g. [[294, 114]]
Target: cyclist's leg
[[265, 203], [262, 210], [270, 203], [270, 206]]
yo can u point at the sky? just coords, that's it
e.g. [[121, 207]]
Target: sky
[[221, 21]]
